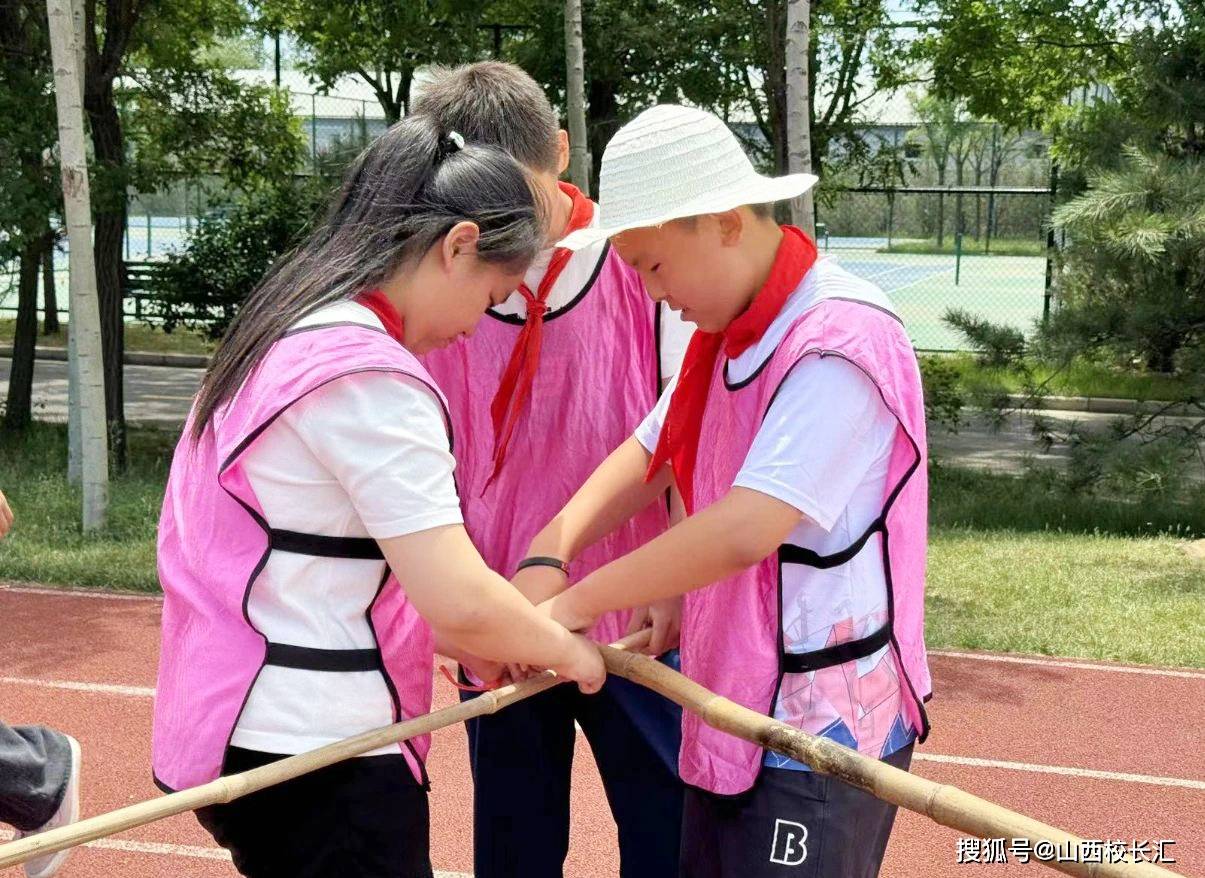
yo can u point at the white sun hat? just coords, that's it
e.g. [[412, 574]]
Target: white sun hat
[[672, 162]]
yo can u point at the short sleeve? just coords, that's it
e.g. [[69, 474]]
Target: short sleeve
[[826, 432], [650, 428], [384, 438], [675, 336]]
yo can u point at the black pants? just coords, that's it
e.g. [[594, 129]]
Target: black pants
[[792, 824], [35, 765], [366, 817], [522, 761]]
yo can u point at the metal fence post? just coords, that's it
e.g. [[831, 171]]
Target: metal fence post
[[1051, 246], [148, 234], [314, 133], [890, 217], [957, 257]]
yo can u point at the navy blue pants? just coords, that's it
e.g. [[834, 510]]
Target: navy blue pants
[[522, 763], [792, 824]]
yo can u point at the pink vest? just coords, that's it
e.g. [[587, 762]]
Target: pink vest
[[732, 630], [597, 379], [213, 542]]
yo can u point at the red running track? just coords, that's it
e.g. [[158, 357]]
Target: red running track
[[1106, 751]]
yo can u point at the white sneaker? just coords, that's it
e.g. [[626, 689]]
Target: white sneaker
[[44, 867]]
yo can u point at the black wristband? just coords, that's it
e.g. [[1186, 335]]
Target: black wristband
[[543, 561]]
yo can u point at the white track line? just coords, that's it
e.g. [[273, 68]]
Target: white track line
[[179, 850], [1068, 771], [80, 593], [105, 688], [1079, 666], [1063, 770]]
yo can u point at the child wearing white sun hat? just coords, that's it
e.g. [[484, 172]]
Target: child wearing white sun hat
[[795, 433]]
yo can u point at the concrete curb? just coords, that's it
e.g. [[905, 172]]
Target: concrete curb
[[133, 358], [1105, 405]]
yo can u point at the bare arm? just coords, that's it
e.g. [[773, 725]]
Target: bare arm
[[732, 534], [613, 494], [474, 610], [6, 516]]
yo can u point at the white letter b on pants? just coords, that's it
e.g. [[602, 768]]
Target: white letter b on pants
[[789, 848]]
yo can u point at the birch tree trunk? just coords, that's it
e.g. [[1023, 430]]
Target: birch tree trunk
[[88, 369], [75, 452], [575, 92], [799, 115]]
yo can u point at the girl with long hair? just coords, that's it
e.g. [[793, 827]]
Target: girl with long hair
[[311, 546]]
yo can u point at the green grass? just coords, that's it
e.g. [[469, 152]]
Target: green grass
[[139, 337], [46, 543], [1089, 596], [1081, 378], [970, 247], [964, 498], [1014, 565]]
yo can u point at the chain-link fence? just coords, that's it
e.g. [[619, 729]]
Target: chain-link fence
[[931, 249], [334, 128], [934, 249]]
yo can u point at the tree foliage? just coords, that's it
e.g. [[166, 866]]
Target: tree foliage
[[383, 42], [1134, 279], [230, 251]]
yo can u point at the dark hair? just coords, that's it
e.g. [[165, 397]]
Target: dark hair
[[400, 196], [495, 103]]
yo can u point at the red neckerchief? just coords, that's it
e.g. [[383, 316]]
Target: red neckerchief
[[520, 372], [376, 302], [678, 443]]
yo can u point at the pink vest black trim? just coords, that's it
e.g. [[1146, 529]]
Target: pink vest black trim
[[214, 541]]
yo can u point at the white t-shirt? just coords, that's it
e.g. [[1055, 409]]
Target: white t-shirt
[[366, 455], [572, 282], [823, 448]]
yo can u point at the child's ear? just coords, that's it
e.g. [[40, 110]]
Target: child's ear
[[562, 151], [732, 226], [461, 239]]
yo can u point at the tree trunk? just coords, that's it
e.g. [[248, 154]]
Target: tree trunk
[[799, 126], [776, 84], [575, 96], [50, 293], [402, 106], [85, 315], [604, 114], [18, 410], [110, 222]]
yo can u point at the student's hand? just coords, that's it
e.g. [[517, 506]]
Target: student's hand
[[665, 618], [6, 516], [563, 609], [584, 664], [540, 583], [483, 669]]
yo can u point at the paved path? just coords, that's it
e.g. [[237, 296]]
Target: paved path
[[160, 396]]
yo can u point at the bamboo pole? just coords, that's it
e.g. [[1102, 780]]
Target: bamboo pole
[[942, 803], [235, 786]]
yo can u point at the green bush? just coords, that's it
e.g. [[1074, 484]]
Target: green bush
[[229, 252], [944, 399], [996, 345], [1133, 281]]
